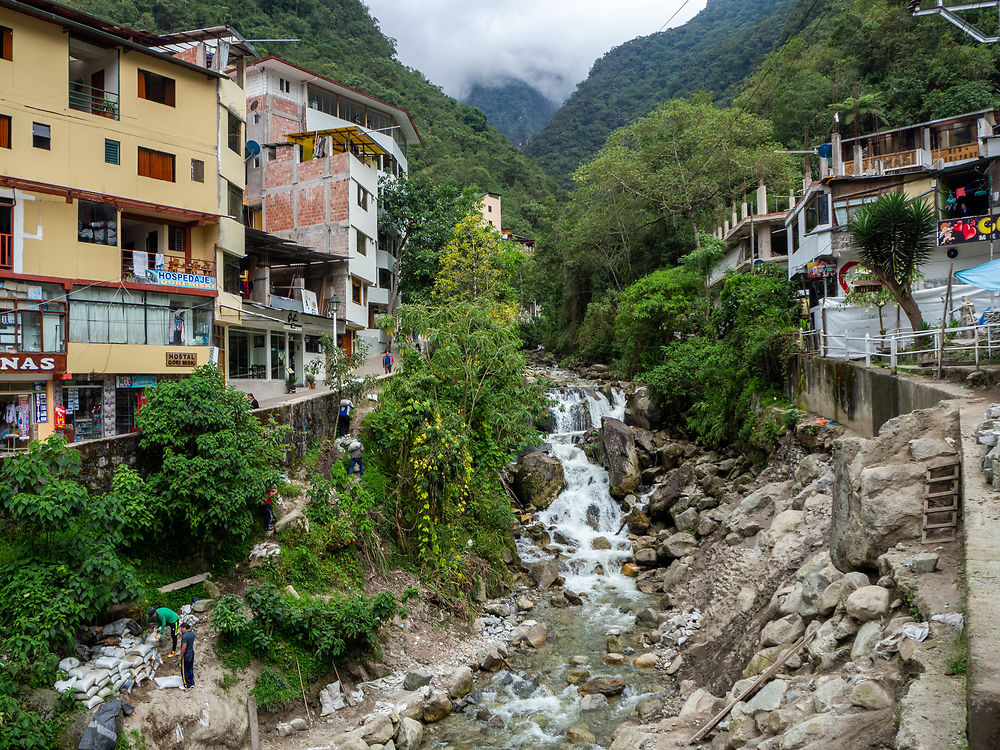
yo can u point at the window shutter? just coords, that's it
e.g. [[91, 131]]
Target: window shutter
[[142, 84], [112, 151], [6, 44], [168, 91], [4, 131]]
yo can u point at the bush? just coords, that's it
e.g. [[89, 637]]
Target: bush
[[214, 460]]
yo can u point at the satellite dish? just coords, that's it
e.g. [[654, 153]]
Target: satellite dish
[[251, 149], [254, 105]]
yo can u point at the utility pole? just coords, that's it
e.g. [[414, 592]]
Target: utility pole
[[950, 13]]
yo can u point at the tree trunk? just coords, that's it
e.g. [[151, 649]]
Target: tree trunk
[[906, 303]]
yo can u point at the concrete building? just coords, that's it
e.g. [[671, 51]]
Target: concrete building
[[950, 163], [489, 206], [317, 151], [121, 182], [755, 236]]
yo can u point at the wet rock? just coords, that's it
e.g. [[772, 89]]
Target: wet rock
[[600, 543], [580, 736], [871, 695], [460, 682], [603, 685], [492, 657], [614, 658], [641, 411], [377, 729], [623, 461], [868, 603], [538, 479], [544, 573], [436, 707], [631, 570], [417, 679], [646, 661], [646, 619], [410, 735], [613, 641], [593, 702], [577, 675], [535, 636], [646, 557], [637, 521], [666, 495]]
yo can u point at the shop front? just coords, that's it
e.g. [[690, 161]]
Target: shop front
[[24, 414], [130, 398]]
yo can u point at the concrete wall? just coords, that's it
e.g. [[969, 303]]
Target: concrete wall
[[860, 398], [311, 418]]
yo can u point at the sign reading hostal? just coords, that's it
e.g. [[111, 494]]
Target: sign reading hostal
[[182, 359], [37, 363]]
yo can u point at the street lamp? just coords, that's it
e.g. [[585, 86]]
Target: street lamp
[[332, 305]]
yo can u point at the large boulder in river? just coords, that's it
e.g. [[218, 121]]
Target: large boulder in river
[[538, 479], [878, 486], [642, 411], [669, 492], [623, 461]]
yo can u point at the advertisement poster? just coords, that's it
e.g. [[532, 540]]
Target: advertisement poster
[[24, 415], [966, 229], [41, 407], [60, 414]]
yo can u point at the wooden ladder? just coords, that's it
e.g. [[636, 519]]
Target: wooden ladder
[[941, 501]]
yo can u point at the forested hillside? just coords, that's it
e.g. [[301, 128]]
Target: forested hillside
[[514, 108], [339, 39], [713, 51]]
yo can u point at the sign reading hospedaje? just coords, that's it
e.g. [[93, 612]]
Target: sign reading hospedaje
[[183, 280]]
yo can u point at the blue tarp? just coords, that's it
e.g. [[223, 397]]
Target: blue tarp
[[986, 276]]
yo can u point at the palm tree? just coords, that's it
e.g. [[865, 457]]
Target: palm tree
[[894, 236], [855, 108]]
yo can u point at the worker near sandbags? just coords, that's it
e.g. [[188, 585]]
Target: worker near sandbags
[[187, 655], [167, 619]]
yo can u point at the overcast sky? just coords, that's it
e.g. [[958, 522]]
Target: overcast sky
[[550, 44]]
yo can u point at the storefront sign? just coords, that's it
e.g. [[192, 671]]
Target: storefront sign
[[821, 269], [136, 381], [41, 407], [182, 359], [60, 421], [183, 280], [967, 229], [20, 362]]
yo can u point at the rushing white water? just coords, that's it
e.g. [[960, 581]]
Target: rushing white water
[[537, 706]]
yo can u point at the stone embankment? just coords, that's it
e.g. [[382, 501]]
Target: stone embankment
[[817, 559]]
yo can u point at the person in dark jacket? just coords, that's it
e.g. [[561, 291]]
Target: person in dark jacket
[[344, 417], [269, 509], [254, 403], [187, 655]]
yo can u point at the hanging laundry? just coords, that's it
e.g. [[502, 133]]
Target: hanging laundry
[[960, 192]]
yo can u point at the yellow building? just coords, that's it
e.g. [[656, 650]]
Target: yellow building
[[489, 207], [121, 192]]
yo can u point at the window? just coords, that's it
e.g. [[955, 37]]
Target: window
[[256, 118], [156, 88], [6, 43], [235, 205], [284, 86], [817, 212], [41, 136], [4, 131], [112, 151], [97, 223], [176, 239], [156, 164], [197, 170], [356, 293], [322, 102], [234, 132], [6, 234], [362, 242], [115, 316], [363, 196]]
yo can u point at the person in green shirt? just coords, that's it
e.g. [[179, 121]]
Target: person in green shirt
[[167, 619]]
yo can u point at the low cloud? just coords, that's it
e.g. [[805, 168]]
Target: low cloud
[[550, 44]]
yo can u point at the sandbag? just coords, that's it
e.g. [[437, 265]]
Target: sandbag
[[124, 626], [174, 681], [83, 684], [63, 686], [102, 732], [107, 662], [94, 701], [70, 662]]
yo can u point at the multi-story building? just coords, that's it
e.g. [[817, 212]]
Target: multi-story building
[[950, 163], [489, 206], [318, 149], [121, 163], [755, 236]]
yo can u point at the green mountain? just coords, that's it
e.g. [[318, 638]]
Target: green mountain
[[515, 108], [712, 51], [339, 39]]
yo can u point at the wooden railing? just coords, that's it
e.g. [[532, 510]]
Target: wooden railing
[[170, 263], [956, 153], [6, 252]]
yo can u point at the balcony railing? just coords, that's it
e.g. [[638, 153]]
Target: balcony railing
[[163, 269], [956, 153], [89, 99], [6, 252]]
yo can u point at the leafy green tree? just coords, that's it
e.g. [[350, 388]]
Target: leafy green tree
[[894, 236], [478, 264], [340, 366], [854, 110], [422, 215], [212, 459], [62, 564]]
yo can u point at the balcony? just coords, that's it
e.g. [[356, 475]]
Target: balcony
[[6, 252], [32, 325], [165, 269], [84, 98]]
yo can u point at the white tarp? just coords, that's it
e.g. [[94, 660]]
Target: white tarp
[[846, 325]]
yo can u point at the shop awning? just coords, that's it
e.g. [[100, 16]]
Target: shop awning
[[986, 276], [349, 138]]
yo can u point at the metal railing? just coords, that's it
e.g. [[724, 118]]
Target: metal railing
[[162, 262], [6, 252], [89, 99], [903, 348]]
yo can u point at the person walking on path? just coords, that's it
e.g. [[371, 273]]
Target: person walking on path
[[387, 362], [167, 619], [356, 450], [187, 655], [344, 418]]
